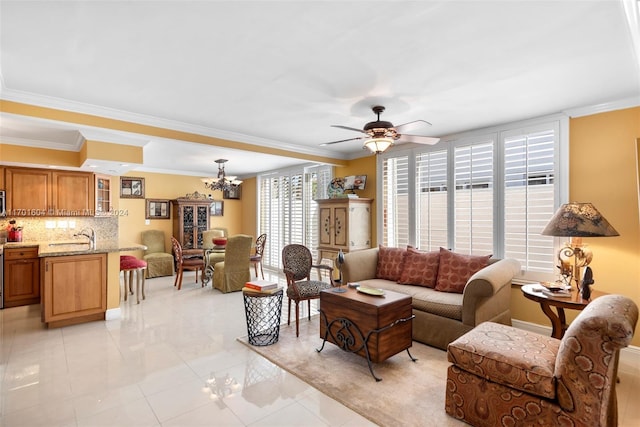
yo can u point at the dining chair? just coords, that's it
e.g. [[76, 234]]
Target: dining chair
[[235, 271], [256, 258], [194, 264], [159, 261], [297, 264]]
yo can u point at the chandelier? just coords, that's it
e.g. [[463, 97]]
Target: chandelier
[[222, 182]]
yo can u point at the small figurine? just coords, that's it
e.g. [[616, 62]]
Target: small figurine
[[585, 286]]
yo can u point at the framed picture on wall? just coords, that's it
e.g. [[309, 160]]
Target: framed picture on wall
[[217, 208], [131, 188], [232, 193], [157, 209]]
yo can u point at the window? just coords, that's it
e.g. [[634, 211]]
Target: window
[[431, 200], [287, 212], [483, 192]]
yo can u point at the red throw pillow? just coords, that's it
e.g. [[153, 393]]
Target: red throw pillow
[[390, 263], [420, 268], [456, 269]]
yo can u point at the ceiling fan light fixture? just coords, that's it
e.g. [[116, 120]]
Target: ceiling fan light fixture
[[378, 145]]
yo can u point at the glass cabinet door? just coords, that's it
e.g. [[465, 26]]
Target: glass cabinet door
[[103, 195]]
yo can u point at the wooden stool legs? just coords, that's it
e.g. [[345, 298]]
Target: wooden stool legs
[[128, 282]]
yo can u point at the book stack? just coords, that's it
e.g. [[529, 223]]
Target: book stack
[[261, 286], [555, 290]]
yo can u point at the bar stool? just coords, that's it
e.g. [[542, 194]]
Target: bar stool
[[130, 264]]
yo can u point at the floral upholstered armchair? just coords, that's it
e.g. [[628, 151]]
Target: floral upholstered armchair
[[502, 376]]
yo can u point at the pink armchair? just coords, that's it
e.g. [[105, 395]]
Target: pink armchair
[[503, 376]]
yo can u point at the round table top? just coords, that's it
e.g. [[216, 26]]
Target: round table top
[[575, 301]]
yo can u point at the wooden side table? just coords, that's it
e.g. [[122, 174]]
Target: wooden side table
[[558, 319]]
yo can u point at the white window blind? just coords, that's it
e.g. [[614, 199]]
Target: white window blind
[[483, 192], [529, 188], [395, 200], [473, 198], [431, 200], [287, 210]]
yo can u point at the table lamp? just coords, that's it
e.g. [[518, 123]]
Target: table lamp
[[577, 220]]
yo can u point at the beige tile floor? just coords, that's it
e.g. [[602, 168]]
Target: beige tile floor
[[151, 368]]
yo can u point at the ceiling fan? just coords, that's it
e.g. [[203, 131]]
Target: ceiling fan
[[380, 135]]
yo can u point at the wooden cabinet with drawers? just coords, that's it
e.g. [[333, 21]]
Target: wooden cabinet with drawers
[[21, 276], [343, 224]]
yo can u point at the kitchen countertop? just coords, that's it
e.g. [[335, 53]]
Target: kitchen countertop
[[76, 247]]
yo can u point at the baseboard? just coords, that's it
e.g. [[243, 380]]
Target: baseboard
[[113, 314], [629, 357]]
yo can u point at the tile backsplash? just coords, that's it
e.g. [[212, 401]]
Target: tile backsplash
[[60, 228]]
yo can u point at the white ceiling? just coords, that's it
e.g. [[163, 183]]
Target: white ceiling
[[280, 73]]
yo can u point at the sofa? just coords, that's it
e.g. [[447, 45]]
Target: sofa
[[451, 293], [503, 376]]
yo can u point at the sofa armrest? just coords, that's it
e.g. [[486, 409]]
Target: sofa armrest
[[488, 292], [360, 265]]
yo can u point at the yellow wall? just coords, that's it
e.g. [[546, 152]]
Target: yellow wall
[[603, 172], [249, 215], [364, 166], [163, 186]]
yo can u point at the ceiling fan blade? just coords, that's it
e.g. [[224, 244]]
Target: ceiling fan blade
[[417, 139], [342, 140], [413, 126], [347, 128]]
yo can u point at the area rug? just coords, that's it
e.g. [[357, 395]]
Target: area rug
[[410, 393]]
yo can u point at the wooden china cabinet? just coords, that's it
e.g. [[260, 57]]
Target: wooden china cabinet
[[190, 219]]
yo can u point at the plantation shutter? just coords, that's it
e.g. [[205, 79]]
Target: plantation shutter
[[529, 189], [473, 198], [287, 210], [431, 200], [395, 201]]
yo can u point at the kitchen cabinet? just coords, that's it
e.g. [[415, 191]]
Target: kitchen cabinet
[[42, 192], [74, 289], [103, 193], [190, 219], [21, 276], [343, 224]]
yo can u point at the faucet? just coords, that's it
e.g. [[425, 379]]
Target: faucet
[[91, 234]]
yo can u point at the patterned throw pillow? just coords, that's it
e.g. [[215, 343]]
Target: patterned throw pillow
[[390, 263], [456, 269], [420, 268]]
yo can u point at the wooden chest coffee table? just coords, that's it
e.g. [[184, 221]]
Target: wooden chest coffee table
[[375, 327]]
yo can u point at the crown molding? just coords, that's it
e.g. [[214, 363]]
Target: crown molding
[[111, 113], [605, 107]]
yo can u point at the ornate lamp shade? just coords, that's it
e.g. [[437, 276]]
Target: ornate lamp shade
[[579, 220]]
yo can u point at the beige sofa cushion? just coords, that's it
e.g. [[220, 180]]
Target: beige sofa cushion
[[443, 304]]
